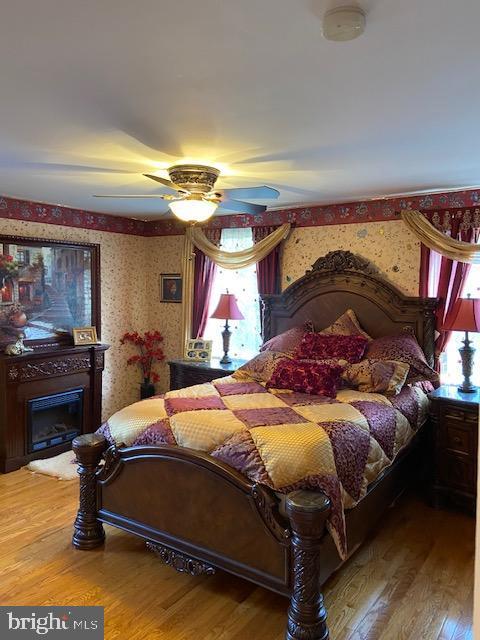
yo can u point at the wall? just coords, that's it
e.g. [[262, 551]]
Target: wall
[[164, 255], [389, 245], [124, 279]]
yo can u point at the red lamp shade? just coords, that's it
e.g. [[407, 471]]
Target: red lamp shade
[[465, 316], [227, 308]]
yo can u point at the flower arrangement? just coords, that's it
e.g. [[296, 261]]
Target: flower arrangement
[[148, 345]]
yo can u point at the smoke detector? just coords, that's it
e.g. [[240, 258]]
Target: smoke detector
[[343, 23]]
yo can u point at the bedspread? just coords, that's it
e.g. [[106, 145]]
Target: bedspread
[[279, 438]]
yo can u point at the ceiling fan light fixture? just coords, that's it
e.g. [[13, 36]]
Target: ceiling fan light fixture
[[193, 209]]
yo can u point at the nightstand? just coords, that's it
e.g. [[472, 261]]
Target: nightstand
[[455, 433], [185, 373]]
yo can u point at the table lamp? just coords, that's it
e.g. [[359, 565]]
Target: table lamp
[[227, 309], [466, 317]]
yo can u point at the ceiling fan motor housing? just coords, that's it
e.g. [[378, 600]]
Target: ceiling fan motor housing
[[194, 177]]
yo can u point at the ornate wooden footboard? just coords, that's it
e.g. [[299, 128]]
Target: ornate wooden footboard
[[198, 514]]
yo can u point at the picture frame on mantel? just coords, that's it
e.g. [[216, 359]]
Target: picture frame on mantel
[[48, 288]]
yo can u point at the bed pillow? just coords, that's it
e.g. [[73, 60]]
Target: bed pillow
[[306, 377], [289, 340], [315, 346], [261, 367], [403, 347], [347, 325], [377, 376]]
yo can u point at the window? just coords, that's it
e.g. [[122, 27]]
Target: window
[[246, 334], [450, 361]]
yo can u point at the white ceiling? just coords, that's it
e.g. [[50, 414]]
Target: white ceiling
[[93, 93]]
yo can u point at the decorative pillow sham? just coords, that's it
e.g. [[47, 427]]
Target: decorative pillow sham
[[346, 325], [315, 346], [287, 341], [306, 377], [403, 348], [261, 367], [377, 376]]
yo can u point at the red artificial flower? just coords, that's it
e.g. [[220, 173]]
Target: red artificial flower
[[149, 352]]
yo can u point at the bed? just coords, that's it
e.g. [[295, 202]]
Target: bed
[[199, 514]]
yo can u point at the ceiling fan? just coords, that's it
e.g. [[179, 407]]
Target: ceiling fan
[[194, 197]]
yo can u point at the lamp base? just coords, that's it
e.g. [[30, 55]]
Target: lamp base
[[466, 354], [226, 333], [469, 389]]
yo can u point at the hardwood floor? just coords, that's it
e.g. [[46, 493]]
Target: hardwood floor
[[412, 580]]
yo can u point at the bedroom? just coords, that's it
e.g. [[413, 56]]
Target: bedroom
[[352, 120]]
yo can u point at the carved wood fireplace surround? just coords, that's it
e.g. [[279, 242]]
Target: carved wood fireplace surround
[[53, 393], [39, 374]]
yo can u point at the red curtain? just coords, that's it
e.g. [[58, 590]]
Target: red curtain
[[268, 269], [451, 279], [203, 276]]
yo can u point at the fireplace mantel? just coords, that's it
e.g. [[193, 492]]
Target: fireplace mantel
[[43, 372]]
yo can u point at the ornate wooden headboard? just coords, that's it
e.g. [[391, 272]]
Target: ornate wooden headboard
[[342, 280]]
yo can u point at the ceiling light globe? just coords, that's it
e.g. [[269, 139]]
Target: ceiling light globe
[[193, 210]]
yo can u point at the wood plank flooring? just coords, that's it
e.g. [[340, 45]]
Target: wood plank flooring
[[412, 580]]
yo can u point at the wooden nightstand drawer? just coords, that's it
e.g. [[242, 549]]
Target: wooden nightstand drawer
[[459, 439], [455, 414], [456, 471]]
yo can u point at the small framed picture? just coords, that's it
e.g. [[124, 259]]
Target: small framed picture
[[84, 335], [170, 287], [199, 350]]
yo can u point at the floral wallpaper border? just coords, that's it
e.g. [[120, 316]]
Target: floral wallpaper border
[[459, 203]]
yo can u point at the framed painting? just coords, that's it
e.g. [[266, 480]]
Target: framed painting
[[47, 288], [170, 287]]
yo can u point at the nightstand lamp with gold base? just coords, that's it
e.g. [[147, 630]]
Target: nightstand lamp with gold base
[[466, 317]]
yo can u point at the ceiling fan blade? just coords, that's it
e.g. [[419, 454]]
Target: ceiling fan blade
[[114, 195], [164, 181], [255, 193], [242, 207]]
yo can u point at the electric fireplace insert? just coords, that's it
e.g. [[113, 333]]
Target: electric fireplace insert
[[54, 419]]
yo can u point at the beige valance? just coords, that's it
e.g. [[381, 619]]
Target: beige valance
[[438, 241], [238, 259]]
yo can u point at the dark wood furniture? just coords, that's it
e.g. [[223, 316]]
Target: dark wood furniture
[[455, 420], [185, 373], [199, 514], [41, 374]]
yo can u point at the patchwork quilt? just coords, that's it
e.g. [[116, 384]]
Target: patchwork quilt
[[280, 438]]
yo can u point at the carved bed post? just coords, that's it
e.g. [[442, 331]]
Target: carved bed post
[[307, 512], [89, 531]]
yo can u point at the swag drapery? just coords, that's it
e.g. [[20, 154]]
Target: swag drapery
[[237, 259], [449, 248]]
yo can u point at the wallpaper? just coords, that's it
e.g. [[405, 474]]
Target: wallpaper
[[164, 255], [389, 245]]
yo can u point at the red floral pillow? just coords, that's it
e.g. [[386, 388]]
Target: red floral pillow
[[287, 341], [306, 377], [315, 346]]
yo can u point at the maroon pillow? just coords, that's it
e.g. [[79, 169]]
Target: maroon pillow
[[403, 348], [306, 377], [315, 346], [287, 341]]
